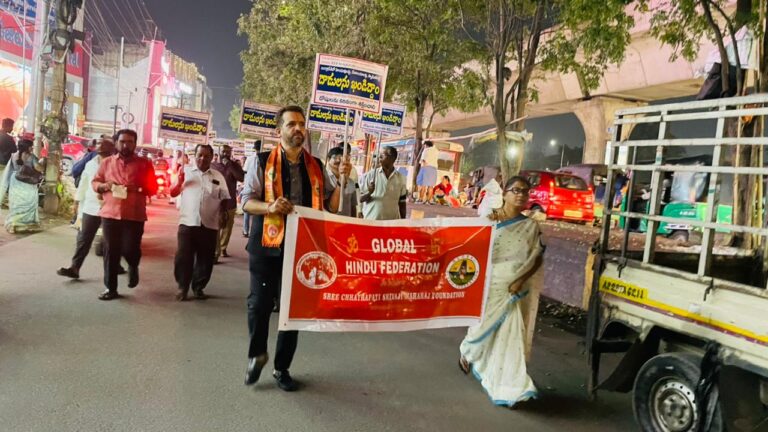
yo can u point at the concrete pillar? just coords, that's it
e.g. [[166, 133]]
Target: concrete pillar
[[596, 117]]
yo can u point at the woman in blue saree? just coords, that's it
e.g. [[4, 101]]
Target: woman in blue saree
[[22, 197], [494, 350]]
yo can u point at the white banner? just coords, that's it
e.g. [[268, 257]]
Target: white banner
[[389, 122], [258, 119], [184, 125], [344, 82]]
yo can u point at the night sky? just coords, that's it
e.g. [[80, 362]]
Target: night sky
[[205, 32]]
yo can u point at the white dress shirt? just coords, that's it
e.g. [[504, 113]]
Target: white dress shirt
[[201, 195], [387, 194], [90, 201]]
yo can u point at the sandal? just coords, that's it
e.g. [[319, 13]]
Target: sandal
[[464, 365]]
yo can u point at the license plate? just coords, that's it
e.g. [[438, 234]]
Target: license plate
[[573, 214]]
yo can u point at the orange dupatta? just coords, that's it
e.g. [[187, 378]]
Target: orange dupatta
[[274, 224]]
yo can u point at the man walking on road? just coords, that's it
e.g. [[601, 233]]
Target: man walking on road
[[249, 165], [233, 173], [202, 190], [89, 206], [125, 180], [294, 178], [385, 188]]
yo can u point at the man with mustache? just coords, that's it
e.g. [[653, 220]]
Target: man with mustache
[[124, 180], [293, 177]]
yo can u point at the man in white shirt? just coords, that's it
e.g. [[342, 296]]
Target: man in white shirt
[[385, 189], [427, 177], [89, 204], [201, 191], [250, 164]]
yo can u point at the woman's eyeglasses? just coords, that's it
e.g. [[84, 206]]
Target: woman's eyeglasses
[[519, 191]]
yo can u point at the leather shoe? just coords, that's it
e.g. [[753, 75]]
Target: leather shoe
[[255, 365], [224, 253], [68, 272], [133, 276], [108, 295], [181, 296], [284, 381], [200, 295], [121, 270]]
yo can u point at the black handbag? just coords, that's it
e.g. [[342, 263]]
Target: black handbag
[[29, 175]]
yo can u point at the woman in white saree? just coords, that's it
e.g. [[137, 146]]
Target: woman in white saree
[[494, 350]]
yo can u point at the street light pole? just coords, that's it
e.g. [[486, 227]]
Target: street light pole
[[553, 143]]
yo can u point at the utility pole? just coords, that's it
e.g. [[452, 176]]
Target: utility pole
[[42, 69], [55, 126], [117, 90]]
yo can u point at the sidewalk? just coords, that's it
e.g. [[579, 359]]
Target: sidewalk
[[46, 222]]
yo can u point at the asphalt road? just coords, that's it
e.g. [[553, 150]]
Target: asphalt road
[[69, 362]]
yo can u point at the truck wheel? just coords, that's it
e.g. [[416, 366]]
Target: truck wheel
[[664, 398]]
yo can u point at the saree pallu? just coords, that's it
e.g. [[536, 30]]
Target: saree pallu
[[495, 348], [23, 213]]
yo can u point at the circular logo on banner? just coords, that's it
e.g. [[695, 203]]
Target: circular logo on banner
[[316, 270], [463, 271]]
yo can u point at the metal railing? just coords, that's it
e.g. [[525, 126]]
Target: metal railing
[[664, 115]]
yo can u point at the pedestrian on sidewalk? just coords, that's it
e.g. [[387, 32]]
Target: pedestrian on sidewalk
[[201, 191], [233, 173], [21, 178], [125, 180], [494, 350], [7, 149], [296, 178], [385, 189], [89, 205], [427, 177]]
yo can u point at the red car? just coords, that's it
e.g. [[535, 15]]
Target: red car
[[560, 196]]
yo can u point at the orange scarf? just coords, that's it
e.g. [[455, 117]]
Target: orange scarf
[[274, 224]]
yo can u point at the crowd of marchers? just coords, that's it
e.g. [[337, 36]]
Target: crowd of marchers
[[115, 184]]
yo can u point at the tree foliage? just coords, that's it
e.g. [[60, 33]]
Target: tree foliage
[[517, 38], [683, 24], [415, 38]]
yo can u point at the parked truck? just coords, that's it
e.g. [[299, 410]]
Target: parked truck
[[684, 329]]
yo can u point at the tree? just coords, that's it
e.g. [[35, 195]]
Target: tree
[[426, 58], [415, 38], [682, 24], [581, 36]]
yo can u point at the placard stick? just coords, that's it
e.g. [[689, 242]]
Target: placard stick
[[343, 181]]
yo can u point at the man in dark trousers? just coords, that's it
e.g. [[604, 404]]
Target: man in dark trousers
[[7, 147], [89, 203], [296, 178], [125, 180], [201, 191], [233, 173]]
